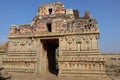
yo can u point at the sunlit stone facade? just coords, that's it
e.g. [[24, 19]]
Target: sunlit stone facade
[[59, 41]]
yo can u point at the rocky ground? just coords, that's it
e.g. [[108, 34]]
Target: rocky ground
[[47, 76]]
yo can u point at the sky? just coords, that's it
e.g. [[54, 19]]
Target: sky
[[107, 13]]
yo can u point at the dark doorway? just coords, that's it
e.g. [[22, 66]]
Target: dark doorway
[[51, 46], [50, 11], [49, 27]]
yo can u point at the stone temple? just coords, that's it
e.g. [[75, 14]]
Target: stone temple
[[58, 41]]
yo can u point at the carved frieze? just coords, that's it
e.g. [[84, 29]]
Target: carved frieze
[[22, 45], [57, 25], [19, 59], [19, 65], [79, 43], [82, 66]]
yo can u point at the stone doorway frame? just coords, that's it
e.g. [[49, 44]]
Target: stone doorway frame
[[45, 53]]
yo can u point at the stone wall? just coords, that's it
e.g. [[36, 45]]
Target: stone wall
[[79, 44], [78, 51], [21, 55]]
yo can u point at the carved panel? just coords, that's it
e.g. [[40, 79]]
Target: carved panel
[[57, 25], [19, 65], [79, 43], [40, 27], [81, 66], [22, 45], [68, 43]]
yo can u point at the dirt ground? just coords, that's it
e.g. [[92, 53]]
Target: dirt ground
[[48, 76]]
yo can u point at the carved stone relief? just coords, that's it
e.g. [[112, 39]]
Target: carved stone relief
[[81, 66], [57, 25], [78, 36], [22, 45], [79, 43], [18, 65]]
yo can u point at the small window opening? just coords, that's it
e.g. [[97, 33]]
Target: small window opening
[[49, 27], [50, 11]]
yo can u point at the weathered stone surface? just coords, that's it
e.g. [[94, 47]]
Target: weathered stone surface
[[4, 75], [58, 41]]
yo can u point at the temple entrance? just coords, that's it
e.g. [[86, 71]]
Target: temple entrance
[[50, 50]]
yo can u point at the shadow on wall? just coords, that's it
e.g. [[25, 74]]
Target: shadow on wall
[[4, 75], [2, 78]]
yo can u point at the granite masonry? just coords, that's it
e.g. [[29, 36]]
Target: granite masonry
[[58, 41]]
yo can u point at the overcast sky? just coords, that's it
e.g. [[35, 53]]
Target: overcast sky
[[107, 13]]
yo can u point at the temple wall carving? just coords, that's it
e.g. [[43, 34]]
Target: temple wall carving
[[57, 25], [82, 66], [57, 38], [22, 45], [23, 65], [79, 43], [20, 64], [22, 55]]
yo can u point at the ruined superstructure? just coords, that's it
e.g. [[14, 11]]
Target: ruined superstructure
[[58, 41]]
